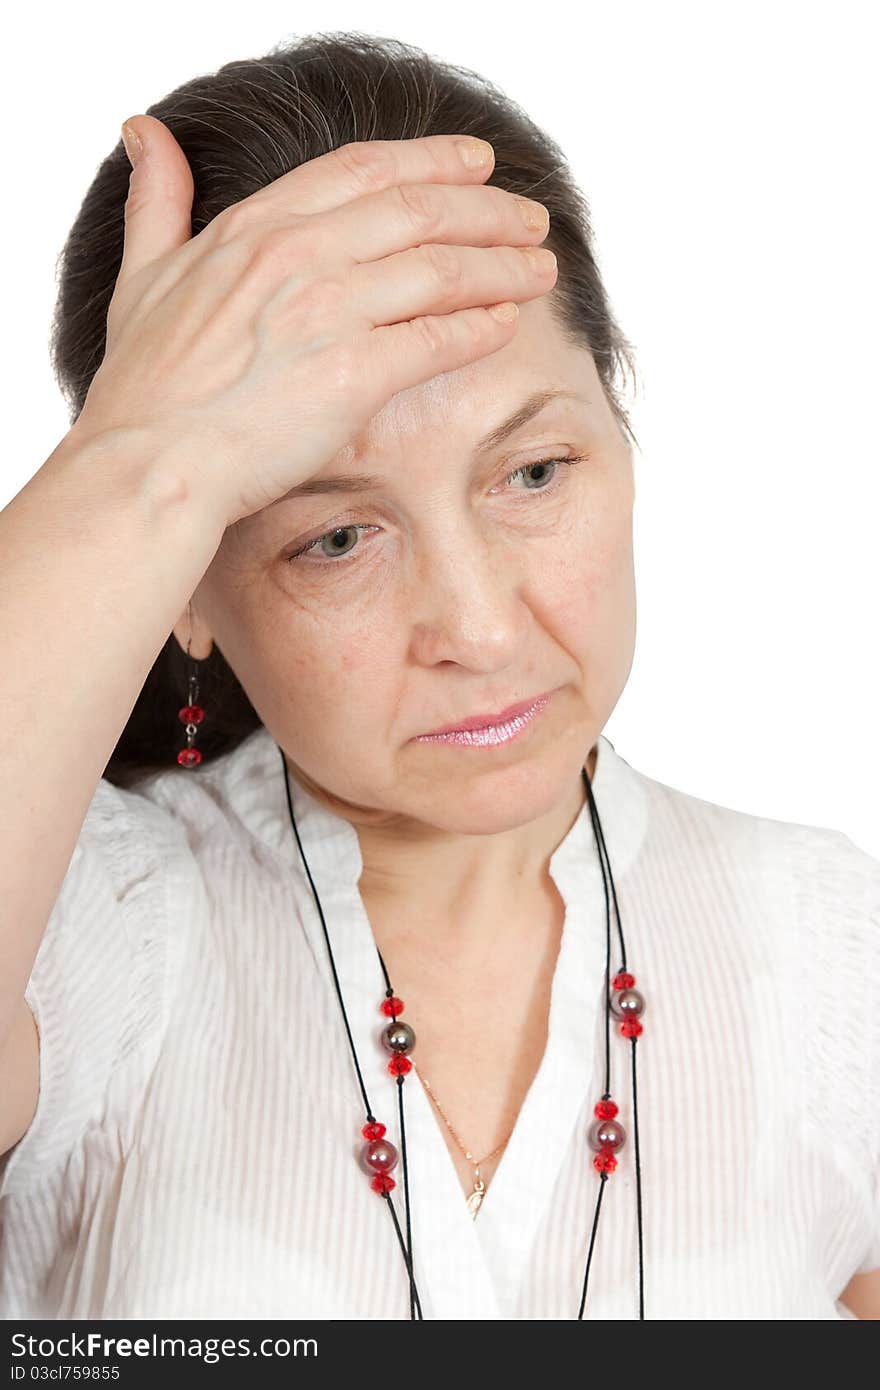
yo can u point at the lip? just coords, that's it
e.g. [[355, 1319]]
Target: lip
[[488, 721]]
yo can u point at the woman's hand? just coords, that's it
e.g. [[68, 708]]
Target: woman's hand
[[260, 347]]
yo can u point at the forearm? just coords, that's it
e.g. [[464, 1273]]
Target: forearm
[[99, 554]]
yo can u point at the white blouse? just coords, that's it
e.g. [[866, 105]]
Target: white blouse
[[194, 1152]]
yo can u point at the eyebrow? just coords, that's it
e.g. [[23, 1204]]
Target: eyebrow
[[362, 482]]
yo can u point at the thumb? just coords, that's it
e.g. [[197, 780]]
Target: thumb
[[158, 209]]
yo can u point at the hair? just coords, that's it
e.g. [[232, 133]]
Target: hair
[[243, 127]]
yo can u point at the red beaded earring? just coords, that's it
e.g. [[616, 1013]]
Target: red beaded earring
[[191, 714]]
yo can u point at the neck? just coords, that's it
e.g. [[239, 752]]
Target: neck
[[456, 886]]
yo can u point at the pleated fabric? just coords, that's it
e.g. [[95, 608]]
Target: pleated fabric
[[194, 1152]]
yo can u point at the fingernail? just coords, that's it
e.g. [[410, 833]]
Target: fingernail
[[133, 145], [475, 153], [504, 313]]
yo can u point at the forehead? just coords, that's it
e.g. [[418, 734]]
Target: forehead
[[476, 406], [457, 414], [470, 399]]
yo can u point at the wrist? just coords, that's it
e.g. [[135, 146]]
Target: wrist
[[135, 466]]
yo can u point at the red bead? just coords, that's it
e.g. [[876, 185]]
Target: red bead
[[392, 1006], [605, 1110], [189, 757], [399, 1065], [623, 980], [382, 1182], [191, 714], [373, 1129], [631, 1027], [605, 1162]]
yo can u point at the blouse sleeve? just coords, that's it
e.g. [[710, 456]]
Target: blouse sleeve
[[871, 1257], [97, 987], [866, 871], [840, 885]]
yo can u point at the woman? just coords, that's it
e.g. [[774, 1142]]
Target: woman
[[295, 506]]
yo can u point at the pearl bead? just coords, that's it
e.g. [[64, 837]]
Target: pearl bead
[[628, 1003], [399, 1037], [606, 1134], [378, 1156]]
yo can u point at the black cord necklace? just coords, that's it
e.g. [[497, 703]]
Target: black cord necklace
[[606, 1136]]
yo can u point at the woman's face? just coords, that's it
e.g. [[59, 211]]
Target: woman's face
[[448, 588]]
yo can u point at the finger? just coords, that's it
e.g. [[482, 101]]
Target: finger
[[438, 279], [158, 209], [401, 355], [369, 166], [412, 214]]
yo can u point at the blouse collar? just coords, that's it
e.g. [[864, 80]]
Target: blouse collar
[[255, 783], [255, 777]]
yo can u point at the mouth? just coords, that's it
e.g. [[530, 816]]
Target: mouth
[[481, 729]]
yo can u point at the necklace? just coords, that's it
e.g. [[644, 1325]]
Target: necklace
[[475, 1197], [606, 1136]]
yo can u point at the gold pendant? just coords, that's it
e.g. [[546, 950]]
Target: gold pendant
[[476, 1197]]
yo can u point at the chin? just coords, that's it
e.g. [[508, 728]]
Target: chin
[[499, 799]]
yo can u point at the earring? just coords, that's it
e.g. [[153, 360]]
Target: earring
[[191, 715]]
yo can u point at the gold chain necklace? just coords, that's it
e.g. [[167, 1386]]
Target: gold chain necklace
[[476, 1197]]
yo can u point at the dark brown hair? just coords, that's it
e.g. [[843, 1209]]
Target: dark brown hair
[[240, 129]]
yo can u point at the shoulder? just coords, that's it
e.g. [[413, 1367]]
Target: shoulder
[[131, 845], [819, 865], [800, 905], [125, 839], [212, 807], [804, 899]]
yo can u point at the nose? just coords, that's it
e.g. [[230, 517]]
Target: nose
[[467, 604]]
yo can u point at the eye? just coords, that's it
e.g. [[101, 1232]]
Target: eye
[[542, 464], [332, 537], [549, 481], [543, 467]]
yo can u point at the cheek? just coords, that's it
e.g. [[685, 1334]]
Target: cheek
[[342, 664], [571, 578], [584, 585]]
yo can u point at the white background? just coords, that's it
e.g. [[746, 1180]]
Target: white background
[[729, 153]]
